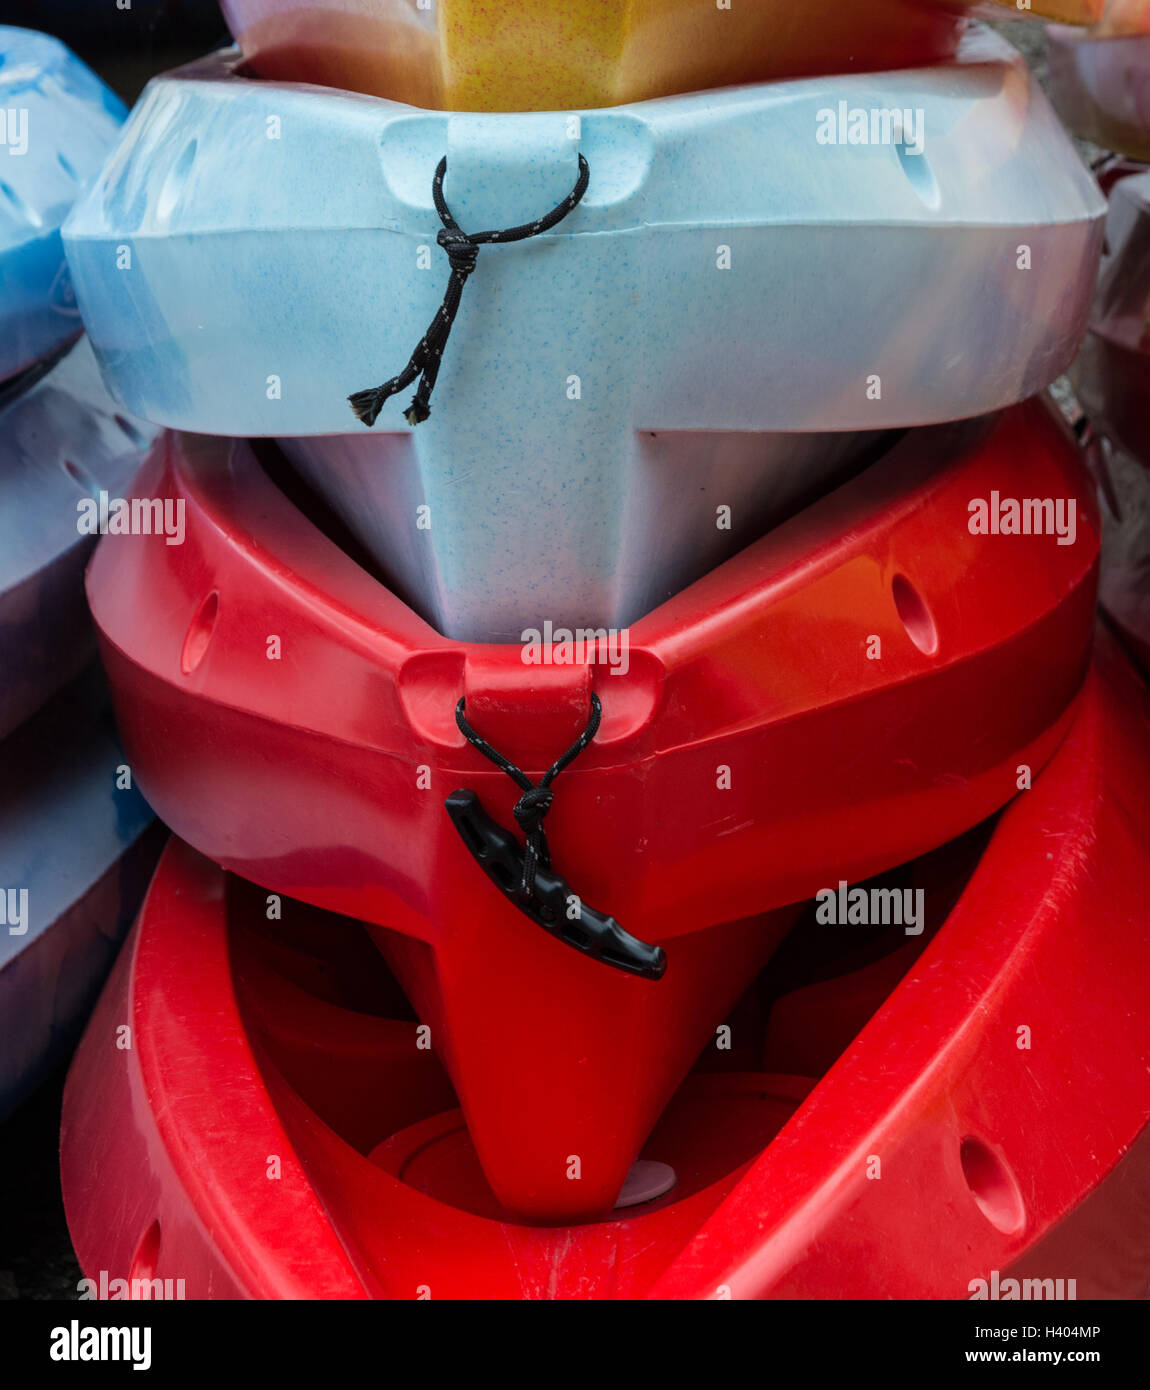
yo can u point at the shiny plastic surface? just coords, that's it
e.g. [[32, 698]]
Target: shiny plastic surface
[[62, 440], [597, 535], [1031, 1160], [582, 441], [1123, 17], [538, 55], [873, 645], [1101, 84], [58, 123], [74, 863]]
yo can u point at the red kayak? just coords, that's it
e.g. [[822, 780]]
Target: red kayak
[[930, 1119], [864, 684]]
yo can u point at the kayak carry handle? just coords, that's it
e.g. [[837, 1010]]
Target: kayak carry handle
[[548, 903]]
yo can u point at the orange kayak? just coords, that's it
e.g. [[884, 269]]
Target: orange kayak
[[537, 55], [1123, 18]]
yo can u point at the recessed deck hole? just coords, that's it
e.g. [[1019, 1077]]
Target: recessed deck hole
[[914, 615], [23, 210], [203, 625], [992, 1186], [147, 1257], [920, 176], [81, 477]]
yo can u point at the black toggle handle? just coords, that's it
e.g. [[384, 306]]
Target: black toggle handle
[[500, 856]]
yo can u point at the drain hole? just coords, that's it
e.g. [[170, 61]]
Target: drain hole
[[200, 633], [920, 176], [992, 1186], [81, 477], [22, 209], [915, 615], [128, 429], [147, 1256]]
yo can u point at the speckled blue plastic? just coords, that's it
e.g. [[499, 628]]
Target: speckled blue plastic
[[75, 843], [61, 439], [57, 124], [254, 251]]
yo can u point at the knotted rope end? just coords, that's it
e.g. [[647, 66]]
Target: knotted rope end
[[532, 807], [366, 405], [462, 253]]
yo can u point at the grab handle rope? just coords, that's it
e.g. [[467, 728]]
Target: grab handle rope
[[462, 250]]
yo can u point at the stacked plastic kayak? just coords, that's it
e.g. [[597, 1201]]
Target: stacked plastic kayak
[[1101, 77], [610, 527], [1112, 376], [1103, 90], [470, 55], [72, 826], [581, 441]]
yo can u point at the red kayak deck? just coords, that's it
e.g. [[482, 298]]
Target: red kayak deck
[[270, 1127], [852, 691]]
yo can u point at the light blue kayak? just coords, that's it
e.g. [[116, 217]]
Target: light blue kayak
[[744, 300], [57, 124], [76, 853], [62, 442]]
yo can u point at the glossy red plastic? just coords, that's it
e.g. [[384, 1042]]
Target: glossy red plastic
[[857, 688], [976, 1102]]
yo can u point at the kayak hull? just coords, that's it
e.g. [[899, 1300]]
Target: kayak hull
[[1101, 87], [80, 845], [586, 455], [1124, 586], [698, 810], [1002, 1155], [469, 54], [62, 441], [1112, 373], [644, 247], [662, 510], [60, 123]]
